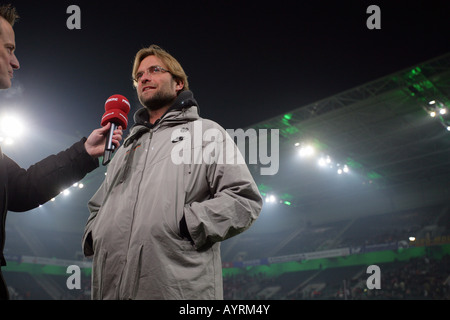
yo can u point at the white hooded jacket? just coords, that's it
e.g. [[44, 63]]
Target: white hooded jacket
[[172, 193]]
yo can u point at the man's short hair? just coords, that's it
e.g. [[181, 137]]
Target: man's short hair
[[9, 13], [172, 64]]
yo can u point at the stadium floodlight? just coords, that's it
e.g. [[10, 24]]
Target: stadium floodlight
[[343, 169], [7, 140], [324, 161], [271, 198], [306, 151], [11, 127]]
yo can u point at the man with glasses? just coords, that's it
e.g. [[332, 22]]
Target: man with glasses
[[20, 189], [156, 223]]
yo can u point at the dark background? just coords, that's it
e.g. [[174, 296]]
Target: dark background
[[247, 61]]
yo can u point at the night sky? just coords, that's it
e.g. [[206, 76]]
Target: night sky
[[247, 61]]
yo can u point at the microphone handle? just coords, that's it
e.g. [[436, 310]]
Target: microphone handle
[[109, 146], [107, 157]]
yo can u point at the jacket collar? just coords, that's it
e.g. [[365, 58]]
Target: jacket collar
[[184, 109]]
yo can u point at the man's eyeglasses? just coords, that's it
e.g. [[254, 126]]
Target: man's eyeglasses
[[150, 70]]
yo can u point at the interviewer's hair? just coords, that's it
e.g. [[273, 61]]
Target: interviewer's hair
[[9, 13], [171, 63]]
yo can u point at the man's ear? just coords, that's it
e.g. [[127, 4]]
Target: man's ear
[[179, 86]]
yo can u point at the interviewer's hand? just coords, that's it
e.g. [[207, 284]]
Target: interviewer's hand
[[95, 143]]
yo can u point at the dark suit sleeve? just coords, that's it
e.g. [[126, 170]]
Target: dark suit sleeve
[[44, 180]]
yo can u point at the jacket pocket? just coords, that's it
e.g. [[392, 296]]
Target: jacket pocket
[[184, 231], [178, 209], [137, 274]]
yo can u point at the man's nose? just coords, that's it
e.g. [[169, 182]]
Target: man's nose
[[145, 77], [15, 63]]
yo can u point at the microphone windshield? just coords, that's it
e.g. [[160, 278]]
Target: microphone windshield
[[117, 108]]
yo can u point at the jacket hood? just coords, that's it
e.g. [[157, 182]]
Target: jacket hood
[[184, 108]]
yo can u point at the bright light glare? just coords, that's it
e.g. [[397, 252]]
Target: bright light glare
[[7, 140], [271, 199], [306, 151], [343, 170], [11, 126], [323, 161], [442, 111]]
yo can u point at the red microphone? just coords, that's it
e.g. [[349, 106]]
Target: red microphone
[[117, 108]]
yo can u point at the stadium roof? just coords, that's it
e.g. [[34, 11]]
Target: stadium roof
[[398, 156]]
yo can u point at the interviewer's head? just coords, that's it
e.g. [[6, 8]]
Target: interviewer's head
[[8, 60]]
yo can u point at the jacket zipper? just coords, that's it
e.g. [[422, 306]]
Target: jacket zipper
[[134, 209]]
